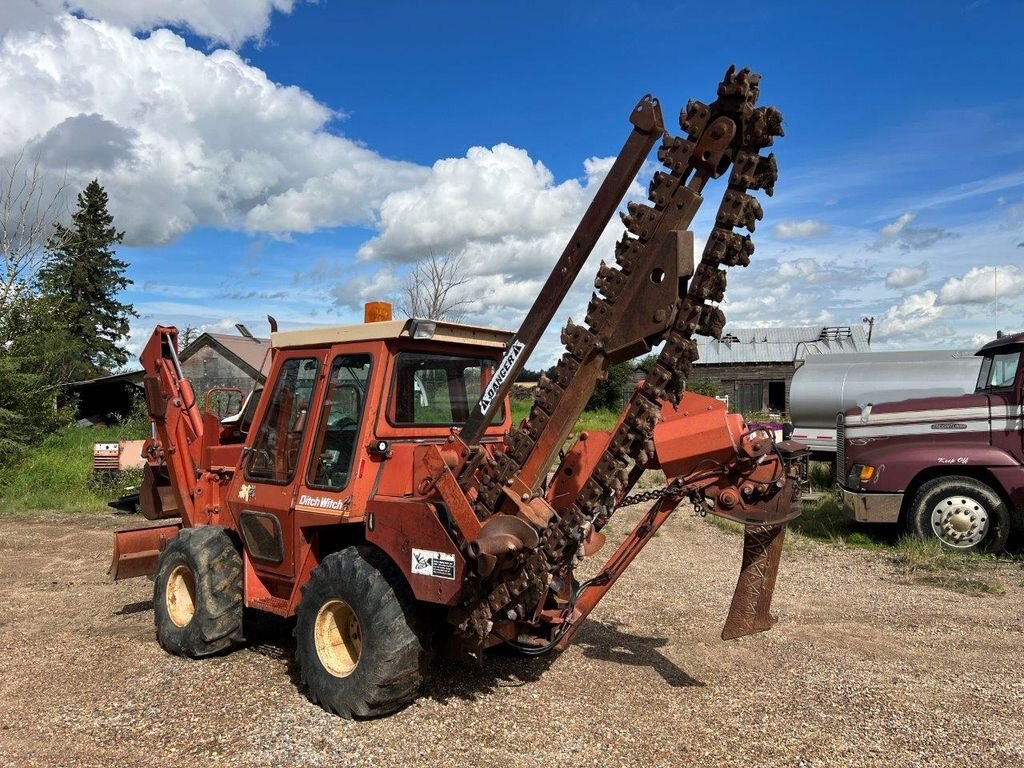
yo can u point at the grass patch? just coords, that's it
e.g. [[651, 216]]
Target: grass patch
[[928, 562], [591, 420], [55, 475], [588, 420]]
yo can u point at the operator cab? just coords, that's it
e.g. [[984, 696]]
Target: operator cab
[[345, 412], [1000, 368]]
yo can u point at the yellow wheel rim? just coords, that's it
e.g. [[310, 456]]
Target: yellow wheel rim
[[181, 595], [338, 638]]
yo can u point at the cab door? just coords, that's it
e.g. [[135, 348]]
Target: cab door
[[262, 494], [1002, 379], [337, 481]]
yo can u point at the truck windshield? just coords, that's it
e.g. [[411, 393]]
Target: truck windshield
[[998, 371], [434, 389]]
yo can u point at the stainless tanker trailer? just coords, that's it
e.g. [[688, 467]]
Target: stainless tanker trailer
[[826, 385]]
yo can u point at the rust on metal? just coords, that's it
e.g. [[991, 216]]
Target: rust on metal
[[136, 550]]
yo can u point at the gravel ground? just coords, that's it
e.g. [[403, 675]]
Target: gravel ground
[[862, 670]]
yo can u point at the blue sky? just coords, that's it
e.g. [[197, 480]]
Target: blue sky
[[297, 158]]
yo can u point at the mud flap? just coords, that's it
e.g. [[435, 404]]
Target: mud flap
[[751, 603]]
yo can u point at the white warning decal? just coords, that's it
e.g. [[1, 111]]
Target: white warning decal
[[440, 565], [501, 374]]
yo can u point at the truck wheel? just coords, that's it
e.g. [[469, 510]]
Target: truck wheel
[[359, 645], [197, 597], [962, 513]]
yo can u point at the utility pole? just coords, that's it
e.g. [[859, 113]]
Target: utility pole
[[871, 325]]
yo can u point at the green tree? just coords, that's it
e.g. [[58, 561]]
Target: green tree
[[38, 356], [611, 390], [82, 279], [707, 387]]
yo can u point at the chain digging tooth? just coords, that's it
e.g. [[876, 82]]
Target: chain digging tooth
[[739, 210], [764, 125], [599, 312], [713, 287], [626, 251], [662, 187], [675, 153], [548, 394], [743, 85], [728, 248], [609, 281], [751, 171], [578, 341], [712, 322], [694, 119], [640, 219]]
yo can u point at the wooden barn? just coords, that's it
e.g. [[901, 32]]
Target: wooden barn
[[212, 360], [754, 366]]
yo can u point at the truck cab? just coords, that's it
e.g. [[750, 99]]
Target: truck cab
[[945, 467]]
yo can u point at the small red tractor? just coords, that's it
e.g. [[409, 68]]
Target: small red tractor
[[377, 491]]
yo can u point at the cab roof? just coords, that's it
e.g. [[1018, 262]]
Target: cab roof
[[444, 331], [1010, 340]]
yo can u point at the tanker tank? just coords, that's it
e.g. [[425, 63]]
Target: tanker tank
[[826, 385]]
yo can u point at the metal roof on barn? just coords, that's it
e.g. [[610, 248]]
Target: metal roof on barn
[[783, 344], [252, 352]]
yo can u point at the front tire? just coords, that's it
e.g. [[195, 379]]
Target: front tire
[[962, 513], [359, 645], [197, 596]]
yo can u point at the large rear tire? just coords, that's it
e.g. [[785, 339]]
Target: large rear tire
[[962, 513], [197, 597], [359, 644]]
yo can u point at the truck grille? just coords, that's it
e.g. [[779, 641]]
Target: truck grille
[[840, 446]]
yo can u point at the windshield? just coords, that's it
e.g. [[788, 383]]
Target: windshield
[[436, 389], [998, 371]]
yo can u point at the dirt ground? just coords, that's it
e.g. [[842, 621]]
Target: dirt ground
[[861, 670]]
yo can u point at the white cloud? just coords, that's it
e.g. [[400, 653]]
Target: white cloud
[[906, 276], [891, 230], [227, 21], [910, 238], [181, 138], [917, 312], [804, 229], [487, 198], [509, 219], [982, 285]]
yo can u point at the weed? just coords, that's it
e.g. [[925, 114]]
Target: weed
[[56, 474], [928, 562]]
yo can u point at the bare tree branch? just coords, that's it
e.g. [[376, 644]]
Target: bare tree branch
[[431, 290], [29, 208]]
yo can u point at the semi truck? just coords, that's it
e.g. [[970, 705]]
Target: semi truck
[[947, 467]]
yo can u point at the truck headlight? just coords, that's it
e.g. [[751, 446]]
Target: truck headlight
[[861, 473]]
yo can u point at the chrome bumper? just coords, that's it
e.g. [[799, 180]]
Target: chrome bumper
[[872, 507]]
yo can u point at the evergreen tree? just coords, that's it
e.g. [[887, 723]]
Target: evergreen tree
[[82, 279]]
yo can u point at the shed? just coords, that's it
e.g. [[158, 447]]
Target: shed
[[212, 360], [225, 360], [754, 366]]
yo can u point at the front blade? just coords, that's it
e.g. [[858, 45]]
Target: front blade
[[751, 603]]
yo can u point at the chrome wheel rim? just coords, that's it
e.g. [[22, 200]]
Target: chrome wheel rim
[[960, 521], [338, 638], [181, 595]]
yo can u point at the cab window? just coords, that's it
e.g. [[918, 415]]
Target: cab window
[[275, 449], [999, 371], [339, 422], [433, 389]]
